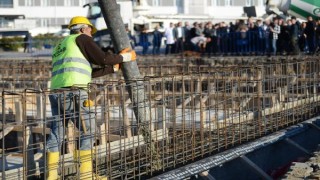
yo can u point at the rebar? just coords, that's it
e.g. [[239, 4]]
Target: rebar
[[190, 115]]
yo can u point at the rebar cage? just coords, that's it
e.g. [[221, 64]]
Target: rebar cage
[[188, 112]]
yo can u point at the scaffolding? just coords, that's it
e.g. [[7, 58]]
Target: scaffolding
[[192, 112]]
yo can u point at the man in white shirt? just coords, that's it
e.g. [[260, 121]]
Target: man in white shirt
[[199, 43], [169, 39]]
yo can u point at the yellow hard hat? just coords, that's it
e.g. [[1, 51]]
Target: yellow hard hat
[[81, 20]]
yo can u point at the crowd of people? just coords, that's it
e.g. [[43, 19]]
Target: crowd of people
[[242, 37]]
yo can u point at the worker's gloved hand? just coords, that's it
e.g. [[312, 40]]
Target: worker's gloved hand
[[128, 55], [116, 67]]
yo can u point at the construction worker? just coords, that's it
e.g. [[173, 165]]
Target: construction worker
[[72, 61]]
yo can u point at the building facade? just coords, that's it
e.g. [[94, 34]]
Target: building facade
[[39, 15], [217, 9], [43, 16]]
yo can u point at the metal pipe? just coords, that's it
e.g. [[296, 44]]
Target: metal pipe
[[111, 13], [120, 39]]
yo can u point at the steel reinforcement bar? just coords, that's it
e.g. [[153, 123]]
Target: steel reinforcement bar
[[190, 116]]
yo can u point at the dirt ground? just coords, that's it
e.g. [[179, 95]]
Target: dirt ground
[[305, 170]]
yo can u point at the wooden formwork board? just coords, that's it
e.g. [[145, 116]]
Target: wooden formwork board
[[118, 146], [200, 117], [265, 112]]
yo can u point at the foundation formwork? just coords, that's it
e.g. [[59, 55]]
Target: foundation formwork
[[193, 111]]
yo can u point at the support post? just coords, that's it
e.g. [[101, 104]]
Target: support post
[[120, 39], [111, 13]]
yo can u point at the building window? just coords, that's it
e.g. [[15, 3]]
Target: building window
[[151, 2], [32, 3], [249, 2], [228, 2], [5, 23], [72, 3], [22, 3], [161, 2], [256, 3], [6, 4], [46, 22], [220, 3], [37, 3], [211, 2], [50, 3], [56, 21], [41, 22], [240, 3], [167, 2], [83, 2], [53, 3], [60, 3]]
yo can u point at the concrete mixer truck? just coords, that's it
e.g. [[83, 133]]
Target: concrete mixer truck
[[299, 8]]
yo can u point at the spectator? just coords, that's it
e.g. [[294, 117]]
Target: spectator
[[318, 36], [233, 27], [201, 28], [144, 41], [252, 39], [27, 43], [310, 32], [179, 38], [215, 39], [242, 40], [294, 35], [157, 37], [132, 39], [267, 37], [275, 29], [169, 39], [286, 45], [250, 22], [260, 44], [232, 36], [187, 34], [195, 30], [303, 45], [209, 31], [223, 37], [199, 43], [281, 36]]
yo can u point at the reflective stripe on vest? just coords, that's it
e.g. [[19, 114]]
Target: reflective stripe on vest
[[66, 60], [70, 67]]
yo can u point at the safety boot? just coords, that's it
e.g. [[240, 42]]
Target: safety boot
[[52, 165], [86, 169]]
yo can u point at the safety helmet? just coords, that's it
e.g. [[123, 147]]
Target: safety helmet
[[81, 20]]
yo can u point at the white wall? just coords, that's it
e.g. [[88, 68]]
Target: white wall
[[231, 12], [218, 13]]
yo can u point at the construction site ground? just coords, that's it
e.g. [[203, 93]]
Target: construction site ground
[[195, 107], [306, 168]]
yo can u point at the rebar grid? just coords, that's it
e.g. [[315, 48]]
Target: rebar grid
[[190, 116]]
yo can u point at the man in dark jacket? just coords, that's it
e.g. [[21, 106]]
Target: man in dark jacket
[[294, 35], [187, 34], [179, 37], [318, 36], [156, 42], [310, 32]]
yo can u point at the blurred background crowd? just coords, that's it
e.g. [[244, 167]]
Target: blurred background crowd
[[276, 36]]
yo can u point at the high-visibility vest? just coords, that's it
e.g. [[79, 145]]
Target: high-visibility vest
[[69, 66]]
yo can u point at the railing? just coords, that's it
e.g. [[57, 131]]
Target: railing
[[227, 44], [190, 116]]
